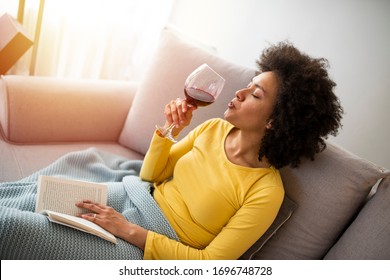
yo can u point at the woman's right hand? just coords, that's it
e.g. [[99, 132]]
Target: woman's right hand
[[178, 112]]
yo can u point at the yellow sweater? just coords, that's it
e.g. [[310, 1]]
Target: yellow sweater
[[218, 209]]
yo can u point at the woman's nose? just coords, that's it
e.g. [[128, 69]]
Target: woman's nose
[[240, 94]]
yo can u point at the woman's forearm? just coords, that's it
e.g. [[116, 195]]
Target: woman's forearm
[[135, 235]]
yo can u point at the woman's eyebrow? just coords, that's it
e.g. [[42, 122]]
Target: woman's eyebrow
[[259, 86]]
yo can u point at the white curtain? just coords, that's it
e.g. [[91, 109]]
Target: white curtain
[[98, 39]]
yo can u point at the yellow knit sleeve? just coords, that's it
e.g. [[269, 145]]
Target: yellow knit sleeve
[[156, 165], [162, 155]]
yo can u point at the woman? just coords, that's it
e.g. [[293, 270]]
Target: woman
[[220, 187]]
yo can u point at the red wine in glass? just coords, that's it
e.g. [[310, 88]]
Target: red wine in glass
[[201, 88], [198, 97]]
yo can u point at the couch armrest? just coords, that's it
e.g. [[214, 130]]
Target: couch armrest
[[47, 109]]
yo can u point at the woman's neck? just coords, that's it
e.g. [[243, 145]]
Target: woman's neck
[[242, 148]]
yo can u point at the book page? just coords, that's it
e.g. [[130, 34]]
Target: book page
[[80, 224], [60, 195]]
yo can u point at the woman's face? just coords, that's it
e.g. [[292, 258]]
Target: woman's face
[[252, 106]]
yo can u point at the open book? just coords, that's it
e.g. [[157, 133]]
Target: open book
[[57, 198]]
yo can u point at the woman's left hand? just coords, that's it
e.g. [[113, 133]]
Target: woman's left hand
[[114, 222]]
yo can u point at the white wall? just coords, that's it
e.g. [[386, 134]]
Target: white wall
[[354, 35]]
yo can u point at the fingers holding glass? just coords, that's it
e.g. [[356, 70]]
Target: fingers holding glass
[[178, 112], [201, 88]]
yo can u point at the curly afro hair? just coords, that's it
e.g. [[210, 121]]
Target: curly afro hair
[[306, 109]]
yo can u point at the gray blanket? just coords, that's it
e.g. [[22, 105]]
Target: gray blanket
[[28, 235]]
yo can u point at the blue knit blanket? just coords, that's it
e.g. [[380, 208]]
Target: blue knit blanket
[[28, 235]]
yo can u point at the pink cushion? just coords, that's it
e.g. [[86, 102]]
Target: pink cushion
[[47, 109]]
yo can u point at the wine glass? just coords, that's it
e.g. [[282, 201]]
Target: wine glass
[[201, 88]]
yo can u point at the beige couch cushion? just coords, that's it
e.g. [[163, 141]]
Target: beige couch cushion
[[329, 191], [285, 213], [176, 57], [368, 236]]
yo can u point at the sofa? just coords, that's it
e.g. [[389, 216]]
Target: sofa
[[336, 207]]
